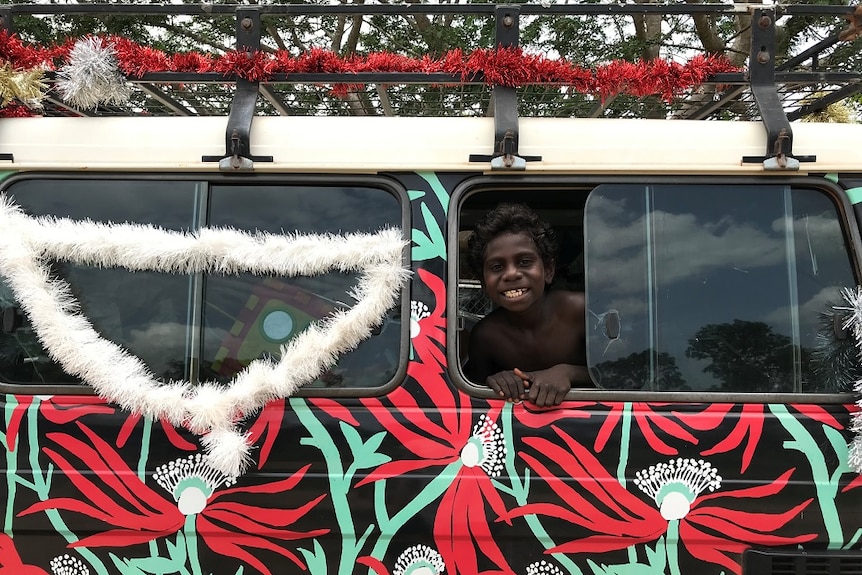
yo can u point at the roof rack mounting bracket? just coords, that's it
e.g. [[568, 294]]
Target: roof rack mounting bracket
[[505, 101], [761, 66], [237, 156]]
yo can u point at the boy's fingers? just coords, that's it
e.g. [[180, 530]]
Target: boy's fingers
[[516, 386], [508, 385], [492, 383], [526, 377]]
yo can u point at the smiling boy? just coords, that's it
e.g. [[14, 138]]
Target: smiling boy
[[532, 345]]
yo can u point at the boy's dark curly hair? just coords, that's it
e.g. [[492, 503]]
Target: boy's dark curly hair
[[510, 218]]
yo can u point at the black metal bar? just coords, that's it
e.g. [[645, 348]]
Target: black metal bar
[[779, 134], [821, 103], [238, 133], [715, 105], [273, 99], [739, 83], [817, 77], [601, 106], [730, 78], [725, 78], [313, 78], [164, 99], [812, 51], [206, 9], [505, 100], [63, 105], [809, 52]]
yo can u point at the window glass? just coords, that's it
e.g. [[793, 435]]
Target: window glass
[[246, 317], [205, 327], [147, 313], [712, 288]]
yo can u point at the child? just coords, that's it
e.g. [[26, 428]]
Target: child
[[532, 345]]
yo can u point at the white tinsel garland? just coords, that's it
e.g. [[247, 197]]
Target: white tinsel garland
[[92, 76], [209, 409]]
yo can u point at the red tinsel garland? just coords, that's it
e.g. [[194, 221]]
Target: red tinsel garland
[[503, 66], [14, 110]]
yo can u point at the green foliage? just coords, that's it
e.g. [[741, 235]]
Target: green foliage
[[584, 40]]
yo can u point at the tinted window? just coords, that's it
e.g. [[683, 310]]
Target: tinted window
[[247, 317], [187, 327], [145, 312], [712, 288]]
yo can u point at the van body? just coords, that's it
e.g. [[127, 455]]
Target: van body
[[139, 277]]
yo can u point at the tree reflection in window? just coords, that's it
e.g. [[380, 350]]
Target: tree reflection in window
[[717, 287]]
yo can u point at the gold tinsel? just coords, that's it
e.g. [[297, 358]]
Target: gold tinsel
[[23, 85], [835, 113]]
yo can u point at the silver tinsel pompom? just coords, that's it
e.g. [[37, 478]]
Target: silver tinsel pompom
[[853, 322], [92, 76]]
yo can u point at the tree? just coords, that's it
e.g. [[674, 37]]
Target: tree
[[587, 40], [633, 372], [748, 356]]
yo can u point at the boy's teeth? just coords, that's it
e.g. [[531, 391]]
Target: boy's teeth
[[513, 292]]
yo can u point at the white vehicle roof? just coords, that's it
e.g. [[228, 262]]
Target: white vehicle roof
[[378, 144]]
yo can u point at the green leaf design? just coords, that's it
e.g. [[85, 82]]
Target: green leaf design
[[428, 246], [657, 558], [177, 551], [842, 450], [316, 560], [438, 189], [124, 568], [624, 569], [365, 454]]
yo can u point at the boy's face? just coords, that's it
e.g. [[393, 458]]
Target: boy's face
[[513, 273]]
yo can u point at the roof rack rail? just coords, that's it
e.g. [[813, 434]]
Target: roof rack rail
[[505, 102], [237, 156], [779, 134], [775, 92]]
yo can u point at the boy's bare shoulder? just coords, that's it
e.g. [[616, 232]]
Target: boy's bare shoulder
[[568, 301]]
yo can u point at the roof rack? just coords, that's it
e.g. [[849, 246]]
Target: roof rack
[[776, 93]]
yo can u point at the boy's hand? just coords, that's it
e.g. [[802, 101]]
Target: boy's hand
[[547, 387], [508, 385]]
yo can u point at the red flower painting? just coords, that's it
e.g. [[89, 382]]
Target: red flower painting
[[10, 561], [747, 429], [427, 325], [650, 421], [112, 493], [461, 525], [712, 526], [64, 409]]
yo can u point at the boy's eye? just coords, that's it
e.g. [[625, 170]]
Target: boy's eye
[[494, 267], [526, 262]]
